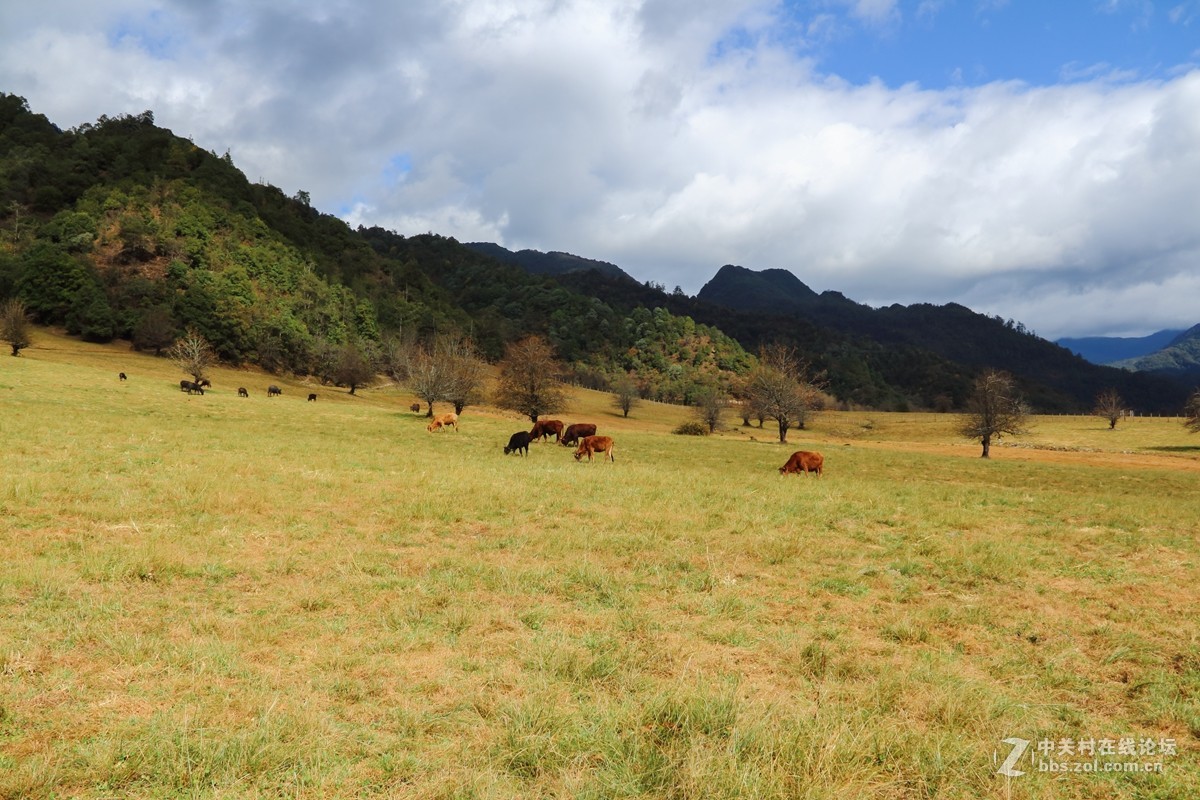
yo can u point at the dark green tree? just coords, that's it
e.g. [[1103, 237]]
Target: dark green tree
[[90, 314], [155, 330], [355, 366], [48, 282]]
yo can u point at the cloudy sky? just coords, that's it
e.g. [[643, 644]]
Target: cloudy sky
[[1036, 160]]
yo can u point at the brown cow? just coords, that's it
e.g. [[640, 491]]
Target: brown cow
[[803, 461], [576, 432], [442, 421], [595, 444], [544, 427], [415, 408]]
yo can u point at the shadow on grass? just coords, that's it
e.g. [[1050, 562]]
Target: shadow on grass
[[1177, 448]]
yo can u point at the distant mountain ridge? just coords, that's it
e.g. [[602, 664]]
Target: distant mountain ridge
[[552, 263], [926, 351], [745, 289], [1110, 349], [1179, 359]]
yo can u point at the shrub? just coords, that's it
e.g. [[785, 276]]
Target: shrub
[[692, 428]]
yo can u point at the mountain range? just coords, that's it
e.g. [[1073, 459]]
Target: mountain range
[[867, 352], [1110, 349], [120, 229]]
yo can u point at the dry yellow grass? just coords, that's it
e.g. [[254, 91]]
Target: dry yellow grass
[[225, 597]]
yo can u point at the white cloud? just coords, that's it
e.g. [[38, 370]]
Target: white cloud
[[666, 136]]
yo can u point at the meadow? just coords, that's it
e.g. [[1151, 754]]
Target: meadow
[[219, 597]]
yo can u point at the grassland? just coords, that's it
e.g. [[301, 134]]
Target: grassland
[[223, 597]]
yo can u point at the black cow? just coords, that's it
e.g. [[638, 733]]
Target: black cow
[[518, 441], [242, 392], [191, 387], [121, 375], [273, 390], [205, 383], [312, 398]]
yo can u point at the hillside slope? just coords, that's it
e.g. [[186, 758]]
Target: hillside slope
[[1108, 350], [1179, 359]]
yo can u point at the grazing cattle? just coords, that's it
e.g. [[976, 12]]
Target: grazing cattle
[[443, 421], [190, 387], [595, 444], [518, 441], [273, 390], [206, 383], [803, 461], [312, 398], [121, 375], [576, 432], [242, 392], [544, 427], [415, 408]]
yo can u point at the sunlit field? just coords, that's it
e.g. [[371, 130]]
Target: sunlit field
[[248, 597]]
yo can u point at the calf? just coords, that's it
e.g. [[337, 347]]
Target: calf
[[312, 398], [518, 441], [443, 421], [121, 375], [803, 461], [545, 427], [576, 432], [273, 390], [595, 444], [242, 392], [415, 408]]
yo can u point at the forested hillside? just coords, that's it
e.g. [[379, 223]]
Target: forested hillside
[[1180, 358], [119, 229]]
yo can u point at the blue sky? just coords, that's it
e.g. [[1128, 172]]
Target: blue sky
[[1035, 160], [948, 43]]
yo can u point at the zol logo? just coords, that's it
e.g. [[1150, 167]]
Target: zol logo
[[1008, 768]]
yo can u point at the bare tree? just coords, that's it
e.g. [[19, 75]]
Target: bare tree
[[1110, 406], [996, 408], [780, 388], [193, 354], [625, 394], [427, 376], [1191, 412], [709, 403], [394, 354], [530, 379], [14, 325], [466, 372]]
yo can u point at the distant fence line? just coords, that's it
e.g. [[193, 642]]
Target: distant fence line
[[1123, 415]]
